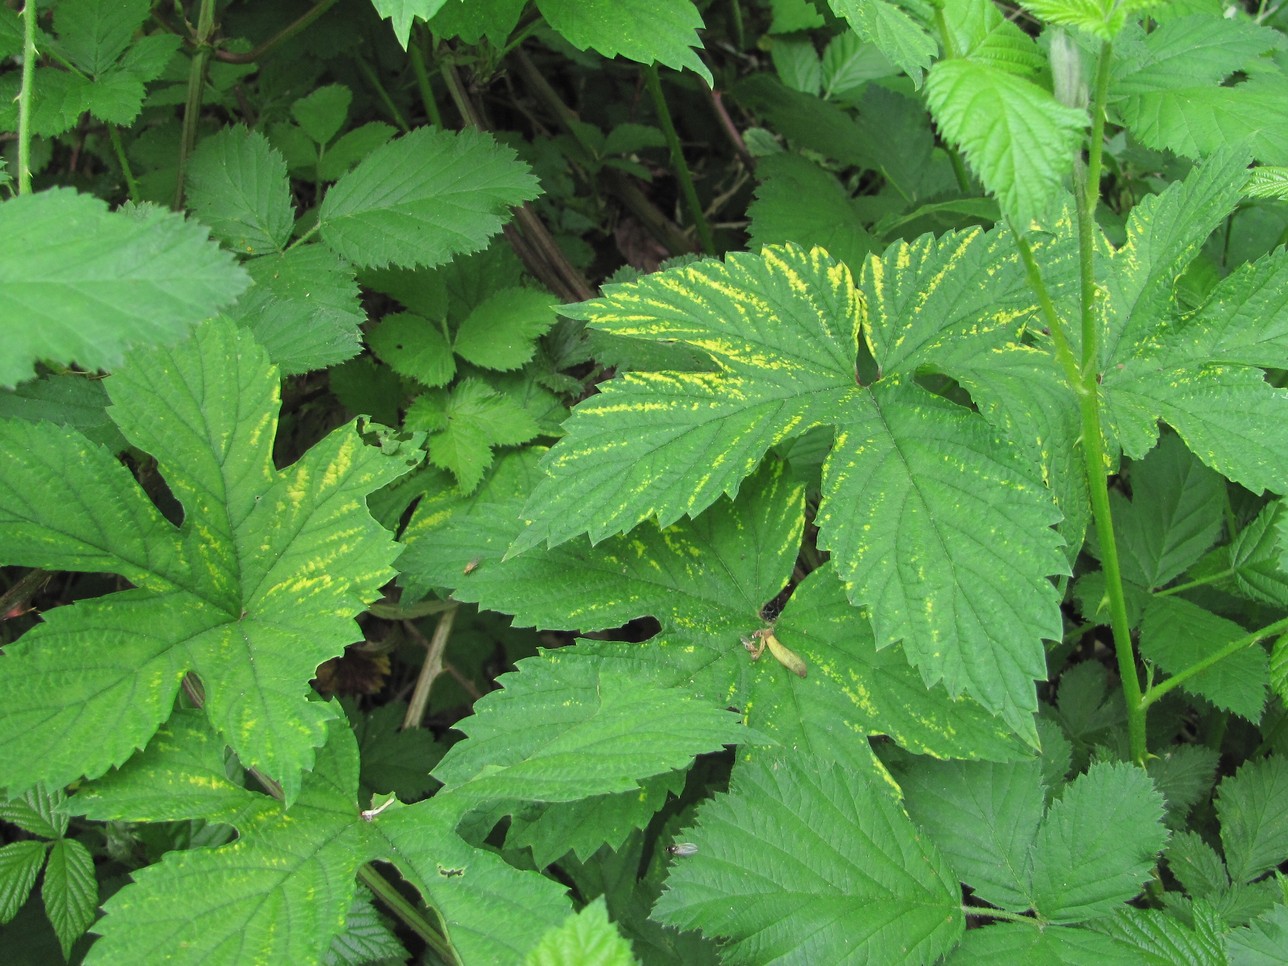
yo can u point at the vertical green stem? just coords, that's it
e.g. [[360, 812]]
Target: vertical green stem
[[677, 160], [417, 55], [1093, 449], [24, 96], [370, 76], [196, 91]]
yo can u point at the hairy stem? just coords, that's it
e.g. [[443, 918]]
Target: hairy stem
[[681, 166], [24, 96], [1093, 450]]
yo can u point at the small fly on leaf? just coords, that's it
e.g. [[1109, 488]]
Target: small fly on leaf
[[783, 654], [682, 848], [472, 566]]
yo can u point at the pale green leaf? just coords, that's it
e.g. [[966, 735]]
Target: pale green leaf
[[303, 308], [1100, 18], [94, 33], [647, 31], [798, 201], [323, 112], [1173, 517], [70, 891], [984, 818], [80, 283], [1187, 52], [491, 912], [781, 327], [237, 185], [276, 894], [465, 425], [979, 31], [1254, 824], [585, 937], [501, 331], [801, 859], [943, 532], [1176, 634], [1268, 181], [401, 13], [1155, 938], [1017, 137], [20, 863], [415, 347], [564, 729], [424, 198], [1097, 844], [268, 567], [903, 41]]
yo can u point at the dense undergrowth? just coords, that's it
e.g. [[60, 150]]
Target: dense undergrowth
[[610, 481]]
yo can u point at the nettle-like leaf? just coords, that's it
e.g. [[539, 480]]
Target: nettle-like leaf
[[499, 333], [903, 41], [464, 425], [647, 31], [1099, 18], [303, 308], [937, 525], [565, 729], [585, 937], [1078, 859], [1254, 827], [1202, 373], [1019, 139], [255, 588], [1173, 517], [423, 198], [706, 581], [1171, 86], [1176, 633], [401, 13], [237, 185], [803, 858], [81, 284], [282, 890]]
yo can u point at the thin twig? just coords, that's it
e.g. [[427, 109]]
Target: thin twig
[[716, 102], [431, 668], [287, 32]]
